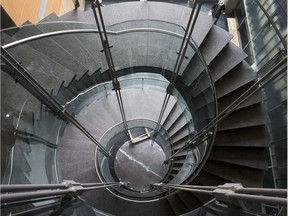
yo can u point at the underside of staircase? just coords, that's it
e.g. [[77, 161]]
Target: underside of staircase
[[76, 63]]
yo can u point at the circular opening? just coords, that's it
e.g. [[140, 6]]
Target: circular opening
[[141, 164]]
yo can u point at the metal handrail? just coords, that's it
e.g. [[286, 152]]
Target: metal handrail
[[69, 188], [232, 192]]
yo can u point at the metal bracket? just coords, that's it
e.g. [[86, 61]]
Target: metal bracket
[[139, 138]]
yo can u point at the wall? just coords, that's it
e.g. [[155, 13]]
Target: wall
[[267, 47], [35, 10]]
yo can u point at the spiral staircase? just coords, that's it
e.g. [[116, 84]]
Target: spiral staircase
[[76, 64]]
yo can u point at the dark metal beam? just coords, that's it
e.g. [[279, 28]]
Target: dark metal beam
[[107, 51], [36, 191], [184, 45]]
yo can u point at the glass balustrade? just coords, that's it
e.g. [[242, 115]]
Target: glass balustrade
[[144, 54]]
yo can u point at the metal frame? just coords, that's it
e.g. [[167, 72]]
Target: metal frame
[[232, 193], [106, 49], [68, 188], [185, 42]]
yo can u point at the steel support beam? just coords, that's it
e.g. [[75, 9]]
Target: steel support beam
[[69, 188], [284, 43], [185, 42], [233, 193], [106, 49]]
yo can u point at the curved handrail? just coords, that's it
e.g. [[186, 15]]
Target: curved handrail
[[96, 31]]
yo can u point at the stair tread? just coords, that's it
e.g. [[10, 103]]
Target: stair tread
[[227, 59], [244, 156], [171, 116], [189, 200], [49, 48], [45, 70], [68, 42], [256, 136], [74, 15], [240, 119], [103, 200], [249, 177], [226, 100], [178, 125], [205, 178], [241, 75], [214, 42], [177, 205]]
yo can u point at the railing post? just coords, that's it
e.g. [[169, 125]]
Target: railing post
[[185, 42], [106, 49]]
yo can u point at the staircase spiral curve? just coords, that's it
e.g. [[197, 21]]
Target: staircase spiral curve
[[239, 150]]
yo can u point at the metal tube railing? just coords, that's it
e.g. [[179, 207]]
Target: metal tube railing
[[257, 198], [70, 188], [263, 191], [16, 71], [65, 185], [231, 192]]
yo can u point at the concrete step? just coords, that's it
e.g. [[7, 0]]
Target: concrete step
[[209, 50], [241, 75], [68, 42], [52, 50], [249, 177], [172, 117], [20, 154], [245, 156], [180, 135], [205, 178], [226, 100], [256, 136], [177, 205], [240, 119], [190, 201], [74, 15], [227, 59], [97, 117], [144, 103], [7, 36], [214, 42], [103, 199], [46, 71]]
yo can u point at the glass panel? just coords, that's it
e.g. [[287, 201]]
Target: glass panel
[[265, 41], [29, 148], [73, 68]]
